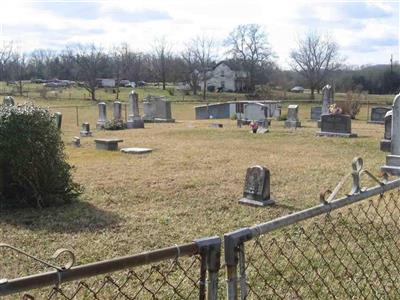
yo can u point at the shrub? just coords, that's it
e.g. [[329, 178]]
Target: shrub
[[33, 167], [114, 125], [171, 91]]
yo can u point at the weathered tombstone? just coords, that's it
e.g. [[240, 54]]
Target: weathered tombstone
[[316, 112], [327, 100], [8, 100], [157, 109], [76, 141], [216, 125], [378, 114], [292, 120], [110, 144], [102, 115], [393, 159], [257, 187], [85, 131], [117, 110], [58, 119], [336, 125], [134, 118], [387, 136]]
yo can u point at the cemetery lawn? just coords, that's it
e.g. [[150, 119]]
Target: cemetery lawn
[[187, 188]]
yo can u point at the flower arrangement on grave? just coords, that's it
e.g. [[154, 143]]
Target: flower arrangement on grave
[[334, 109]]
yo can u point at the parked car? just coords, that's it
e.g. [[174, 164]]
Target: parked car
[[297, 89], [141, 83]]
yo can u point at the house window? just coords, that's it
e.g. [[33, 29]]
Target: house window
[[222, 73]]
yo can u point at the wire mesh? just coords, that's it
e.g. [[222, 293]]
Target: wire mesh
[[350, 253], [172, 279]]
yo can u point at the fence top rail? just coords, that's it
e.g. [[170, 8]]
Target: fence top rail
[[320, 209], [40, 280]]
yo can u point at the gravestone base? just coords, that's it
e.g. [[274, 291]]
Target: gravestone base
[[158, 120], [292, 124], [135, 150], [392, 165], [85, 133], [217, 125], [100, 125], [252, 202], [385, 145], [135, 124], [376, 122], [107, 144], [347, 135]]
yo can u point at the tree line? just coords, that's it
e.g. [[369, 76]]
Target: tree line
[[314, 62]]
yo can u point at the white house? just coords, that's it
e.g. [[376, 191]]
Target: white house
[[225, 76]]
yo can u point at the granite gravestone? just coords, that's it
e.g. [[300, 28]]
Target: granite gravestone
[[85, 131], [336, 125], [316, 112], [277, 113], [393, 159], [58, 119], [327, 101], [387, 136], [257, 187], [378, 114], [157, 109], [8, 100], [134, 118], [117, 111], [292, 120], [102, 115]]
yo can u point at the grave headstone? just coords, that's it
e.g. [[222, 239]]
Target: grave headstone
[[58, 119], [327, 100], [102, 115], [76, 141], [8, 100], [316, 112], [336, 125], [257, 187], [393, 159], [134, 118], [216, 125], [85, 130], [107, 144], [387, 136], [378, 114], [292, 120], [157, 109], [277, 113], [117, 110]]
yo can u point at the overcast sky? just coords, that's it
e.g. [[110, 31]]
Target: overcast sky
[[366, 31]]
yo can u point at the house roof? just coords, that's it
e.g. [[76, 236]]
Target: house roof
[[233, 65]]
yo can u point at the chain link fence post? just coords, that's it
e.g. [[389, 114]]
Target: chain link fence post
[[233, 243], [210, 251]]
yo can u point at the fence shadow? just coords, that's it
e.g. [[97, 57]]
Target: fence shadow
[[77, 216]]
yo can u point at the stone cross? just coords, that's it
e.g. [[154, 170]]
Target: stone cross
[[327, 98], [8, 100], [257, 187], [117, 110], [102, 115], [393, 159], [58, 119]]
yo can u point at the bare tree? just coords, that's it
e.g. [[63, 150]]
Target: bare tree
[[249, 45], [162, 53], [6, 53], [315, 58], [91, 64], [202, 49]]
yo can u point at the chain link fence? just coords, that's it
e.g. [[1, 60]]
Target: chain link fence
[[343, 248]]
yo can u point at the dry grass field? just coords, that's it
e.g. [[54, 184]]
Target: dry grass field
[[187, 188]]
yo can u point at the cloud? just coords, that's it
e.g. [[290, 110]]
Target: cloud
[[361, 10], [76, 10], [138, 16]]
